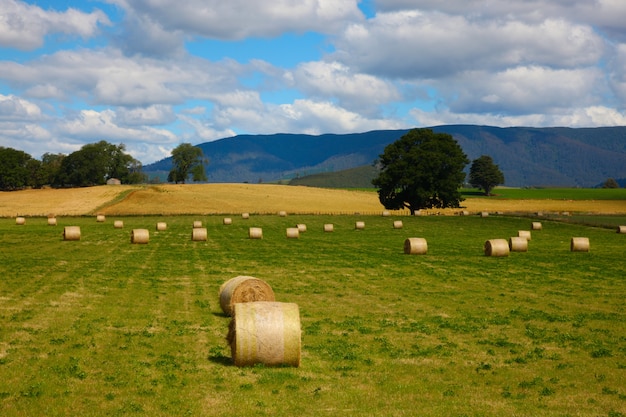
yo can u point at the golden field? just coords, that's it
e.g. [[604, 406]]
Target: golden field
[[170, 199]]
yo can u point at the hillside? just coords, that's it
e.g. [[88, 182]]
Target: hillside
[[557, 156]]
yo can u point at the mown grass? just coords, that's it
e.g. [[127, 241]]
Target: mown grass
[[104, 327], [552, 193]]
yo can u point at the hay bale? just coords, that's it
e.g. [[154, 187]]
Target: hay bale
[[328, 227], [524, 233], [118, 224], [415, 246], [243, 289], [197, 224], [359, 225], [140, 236], [386, 213], [282, 213], [199, 234], [497, 247], [536, 226], [255, 233], [293, 233], [100, 218], [518, 244], [464, 213], [71, 233], [265, 333], [301, 227], [579, 244], [245, 216], [484, 214], [20, 221], [397, 224], [52, 221], [161, 226], [227, 221], [621, 229]]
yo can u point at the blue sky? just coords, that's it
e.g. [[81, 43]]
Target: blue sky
[[153, 74]]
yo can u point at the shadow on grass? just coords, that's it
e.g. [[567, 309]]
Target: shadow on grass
[[221, 360]]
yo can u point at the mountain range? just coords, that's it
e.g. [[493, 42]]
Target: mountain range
[[528, 157]]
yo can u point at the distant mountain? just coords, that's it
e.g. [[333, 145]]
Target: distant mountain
[[572, 157]]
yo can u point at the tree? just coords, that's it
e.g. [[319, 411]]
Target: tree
[[485, 175], [15, 169], [187, 159], [422, 169], [610, 183]]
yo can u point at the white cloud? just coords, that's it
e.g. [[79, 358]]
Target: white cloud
[[14, 108]]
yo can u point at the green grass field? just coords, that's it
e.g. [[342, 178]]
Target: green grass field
[[103, 327]]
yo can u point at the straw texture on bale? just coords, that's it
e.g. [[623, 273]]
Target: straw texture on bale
[[293, 233], [140, 236], [497, 247], [52, 221], [160, 226], [397, 224], [227, 220], [524, 233], [328, 227], [100, 218], [243, 289], [265, 333], [199, 234], [301, 227], [359, 225], [245, 215], [415, 246], [71, 233], [20, 220], [621, 229], [197, 224], [255, 233], [518, 244], [579, 244], [118, 224]]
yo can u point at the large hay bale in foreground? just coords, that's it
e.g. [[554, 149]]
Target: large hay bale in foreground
[[140, 236], [518, 244], [329, 227], [265, 333], [20, 221], [199, 234], [71, 233], [255, 233], [579, 244], [524, 233], [621, 229], [243, 289], [161, 226], [415, 246], [118, 224], [293, 233], [536, 226], [497, 247]]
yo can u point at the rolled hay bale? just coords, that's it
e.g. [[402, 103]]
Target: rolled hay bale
[[301, 227], [245, 215], [255, 233], [227, 221], [386, 213], [265, 333], [329, 227], [282, 213], [293, 233], [118, 224], [71, 233], [518, 244], [579, 244], [359, 225], [197, 224], [536, 226], [52, 221], [243, 289], [415, 246], [100, 218], [484, 214], [464, 213], [199, 234], [497, 247], [140, 236], [161, 226], [397, 224], [524, 233], [20, 221], [621, 229]]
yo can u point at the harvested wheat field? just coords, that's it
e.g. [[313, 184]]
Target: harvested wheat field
[[170, 199]]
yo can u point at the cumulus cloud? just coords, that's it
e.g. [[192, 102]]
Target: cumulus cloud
[[15, 108], [24, 26]]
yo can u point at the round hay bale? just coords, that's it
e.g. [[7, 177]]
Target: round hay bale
[[140, 236], [386, 213], [245, 215], [484, 214], [328, 227], [161, 226], [243, 289], [621, 229], [518, 244], [199, 234], [301, 227], [197, 224], [227, 220], [100, 218], [497, 247], [118, 224], [20, 220], [293, 233], [397, 224], [255, 233], [265, 333], [359, 225], [579, 244], [71, 233], [536, 226], [52, 221], [524, 233], [415, 246], [282, 213], [464, 213]]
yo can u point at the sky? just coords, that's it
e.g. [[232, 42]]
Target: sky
[[152, 74]]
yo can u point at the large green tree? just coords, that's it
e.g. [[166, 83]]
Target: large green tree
[[187, 159], [422, 169], [16, 169], [484, 174]]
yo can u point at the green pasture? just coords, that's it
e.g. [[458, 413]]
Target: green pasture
[[551, 193], [103, 327]]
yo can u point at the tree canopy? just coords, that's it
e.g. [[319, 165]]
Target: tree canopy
[[485, 175], [422, 169], [187, 159]]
